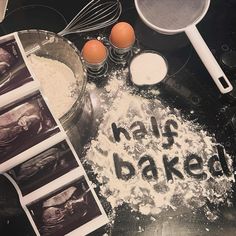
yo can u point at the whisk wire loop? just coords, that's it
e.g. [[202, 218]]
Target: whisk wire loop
[[99, 16], [95, 15]]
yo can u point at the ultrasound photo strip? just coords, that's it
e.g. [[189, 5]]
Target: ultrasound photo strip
[[80, 209], [44, 167], [73, 224], [47, 166], [29, 153], [23, 124], [73, 209], [27, 127], [47, 182], [14, 73]]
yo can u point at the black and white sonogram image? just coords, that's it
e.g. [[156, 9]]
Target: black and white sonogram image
[[13, 70], [65, 210], [24, 124], [44, 167]]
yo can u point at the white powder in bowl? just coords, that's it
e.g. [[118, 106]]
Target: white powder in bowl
[[57, 81], [148, 69]]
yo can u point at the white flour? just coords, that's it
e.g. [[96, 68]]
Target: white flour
[[57, 81], [148, 69], [152, 196]]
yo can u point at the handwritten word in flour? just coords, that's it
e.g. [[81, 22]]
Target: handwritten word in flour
[[193, 164]]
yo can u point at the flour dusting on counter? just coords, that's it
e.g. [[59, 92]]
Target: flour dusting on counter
[[150, 157]]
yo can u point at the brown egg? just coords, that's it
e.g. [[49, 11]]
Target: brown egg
[[94, 52], [122, 35]]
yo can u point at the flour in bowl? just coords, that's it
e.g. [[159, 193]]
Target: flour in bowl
[[57, 81]]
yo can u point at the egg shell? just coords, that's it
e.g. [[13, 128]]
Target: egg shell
[[94, 52], [122, 35]]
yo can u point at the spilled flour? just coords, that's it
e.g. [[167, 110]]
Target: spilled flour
[[148, 156]]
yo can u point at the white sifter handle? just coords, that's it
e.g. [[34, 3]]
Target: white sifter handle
[[208, 59]]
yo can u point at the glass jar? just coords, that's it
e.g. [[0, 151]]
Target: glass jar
[[50, 45]]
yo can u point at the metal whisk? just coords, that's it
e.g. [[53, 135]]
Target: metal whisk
[[95, 15]]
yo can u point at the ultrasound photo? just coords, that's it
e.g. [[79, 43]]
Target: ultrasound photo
[[24, 124], [65, 210], [44, 168], [13, 70]]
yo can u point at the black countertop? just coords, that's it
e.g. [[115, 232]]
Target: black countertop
[[188, 88]]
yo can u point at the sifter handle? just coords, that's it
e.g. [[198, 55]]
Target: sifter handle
[[208, 59]]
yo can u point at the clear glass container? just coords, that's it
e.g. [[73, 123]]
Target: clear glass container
[[50, 45]]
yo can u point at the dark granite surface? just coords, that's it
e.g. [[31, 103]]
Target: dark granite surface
[[189, 87]]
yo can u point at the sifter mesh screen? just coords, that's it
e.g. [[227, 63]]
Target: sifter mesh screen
[[172, 14]]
